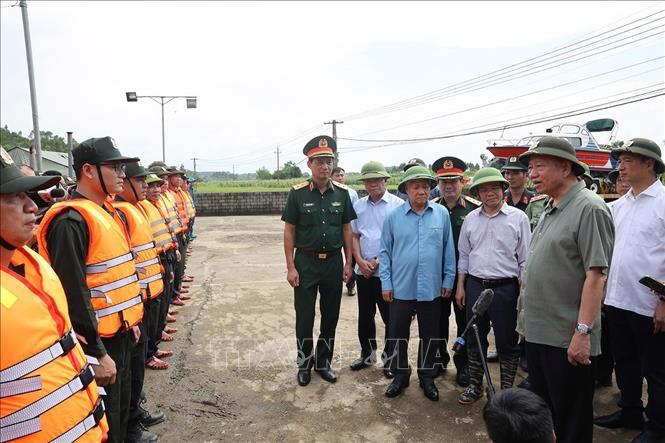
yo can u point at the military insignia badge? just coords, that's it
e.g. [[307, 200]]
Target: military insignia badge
[[628, 144], [6, 158], [336, 204], [113, 142], [323, 143], [512, 160], [448, 164], [307, 205]]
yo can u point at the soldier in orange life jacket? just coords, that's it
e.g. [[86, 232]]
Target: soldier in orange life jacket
[[152, 287], [167, 245], [86, 241], [175, 180], [47, 391]]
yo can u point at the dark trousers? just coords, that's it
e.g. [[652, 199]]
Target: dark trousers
[[448, 304], [169, 268], [116, 400], [399, 325], [503, 315], [138, 356], [639, 354], [179, 269], [325, 278], [605, 361], [369, 297], [567, 389], [190, 231], [151, 321], [352, 280]]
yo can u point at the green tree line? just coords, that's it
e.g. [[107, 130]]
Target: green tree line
[[49, 140]]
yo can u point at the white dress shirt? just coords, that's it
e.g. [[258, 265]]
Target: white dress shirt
[[639, 249], [494, 247], [369, 223]]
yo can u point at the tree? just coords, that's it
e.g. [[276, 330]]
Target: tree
[[263, 174], [290, 170]]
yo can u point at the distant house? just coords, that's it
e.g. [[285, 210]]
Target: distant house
[[51, 160]]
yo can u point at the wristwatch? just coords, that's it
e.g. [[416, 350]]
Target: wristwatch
[[584, 329]]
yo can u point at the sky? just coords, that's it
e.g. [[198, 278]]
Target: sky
[[269, 74]]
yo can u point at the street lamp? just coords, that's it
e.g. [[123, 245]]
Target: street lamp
[[162, 100]]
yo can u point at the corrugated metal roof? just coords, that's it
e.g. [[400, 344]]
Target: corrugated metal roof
[[50, 159]]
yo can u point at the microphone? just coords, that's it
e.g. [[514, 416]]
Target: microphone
[[479, 308], [57, 193]]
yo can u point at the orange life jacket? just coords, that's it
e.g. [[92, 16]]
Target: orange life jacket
[[143, 247], [162, 234], [189, 204], [168, 204], [110, 266], [180, 207], [48, 391]]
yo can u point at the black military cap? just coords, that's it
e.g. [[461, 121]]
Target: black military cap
[[513, 164], [449, 168], [414, 162], [13, 180], [99, 150], [135, 170], [645, 148], [321, 146]]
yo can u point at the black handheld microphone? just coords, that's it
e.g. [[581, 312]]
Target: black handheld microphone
[[479, 308]]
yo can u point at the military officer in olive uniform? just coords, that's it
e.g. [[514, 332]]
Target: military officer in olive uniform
[[535, 209], [517, 194], [449, 172], [317, 225]]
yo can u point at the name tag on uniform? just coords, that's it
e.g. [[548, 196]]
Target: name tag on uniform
[[336, 204], [307, 205]]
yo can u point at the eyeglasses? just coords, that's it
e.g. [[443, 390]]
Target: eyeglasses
[[117, 167]]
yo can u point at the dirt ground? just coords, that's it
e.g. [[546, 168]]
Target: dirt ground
[[232, 377]]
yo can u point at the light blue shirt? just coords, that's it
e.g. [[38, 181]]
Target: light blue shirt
[[417, 258], [353, 195], [369, 224]]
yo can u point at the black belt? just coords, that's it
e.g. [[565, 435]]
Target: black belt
[[325, 255], [493, 283]]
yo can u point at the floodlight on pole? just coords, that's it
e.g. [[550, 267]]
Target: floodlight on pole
[[190, 101]]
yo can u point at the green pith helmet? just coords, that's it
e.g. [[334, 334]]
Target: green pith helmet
[[645, 148], [158, 170], [416, 173], [487, 174], [413, 162], [13, 180], [554, 147], [372, 170], [135, 170], [587, 172], [152, 178]]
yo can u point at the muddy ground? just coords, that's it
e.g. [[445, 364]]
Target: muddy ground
[[232, 377]]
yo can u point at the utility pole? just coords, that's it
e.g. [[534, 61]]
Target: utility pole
[[277, 152], [334, 124], [33, 91], [194, 159], [70, 169]]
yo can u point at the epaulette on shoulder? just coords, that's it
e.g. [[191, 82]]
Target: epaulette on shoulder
[[300, 185], [436, 199], [340, 185], [536, 198], [472, 200]]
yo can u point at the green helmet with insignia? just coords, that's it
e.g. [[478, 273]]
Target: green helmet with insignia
[[449, 168], [320, 146], [135, 170], [413, 162], [487, 175], [554, 147], [645, 148], [416, 173], [587, 171], [372, 170], [158, 170], [13, 180], [513, 164]]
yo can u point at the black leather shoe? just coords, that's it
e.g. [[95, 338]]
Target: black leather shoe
[[304, 377], [396, 388], [388, 373], [150, 418], [139, 434], [649, 436], [619, 420], [492, 357], [462, 377], [328, 375], [429, 389], [362, 363]]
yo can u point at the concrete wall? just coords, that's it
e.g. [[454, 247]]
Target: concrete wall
[[243, 203]]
